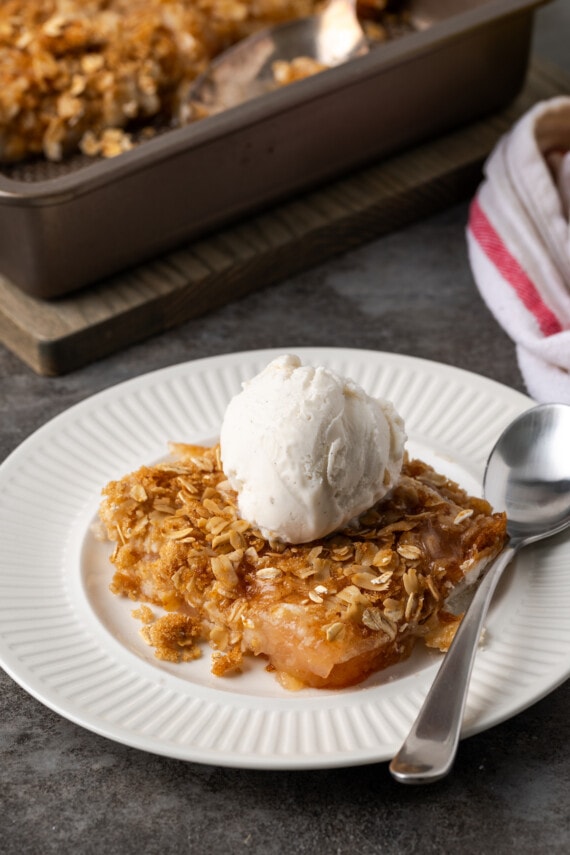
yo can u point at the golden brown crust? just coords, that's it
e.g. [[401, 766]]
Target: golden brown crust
[[77, 73], [326, 613]]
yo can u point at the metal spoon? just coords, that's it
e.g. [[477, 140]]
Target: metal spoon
[[528, 476], [246, 70]]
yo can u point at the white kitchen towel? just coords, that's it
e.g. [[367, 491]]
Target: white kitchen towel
[[518, 237]]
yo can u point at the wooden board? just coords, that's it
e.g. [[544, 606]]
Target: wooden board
[[59, 336]]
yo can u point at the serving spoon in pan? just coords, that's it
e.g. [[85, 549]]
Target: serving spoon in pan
[[245, 71], [528, 476]]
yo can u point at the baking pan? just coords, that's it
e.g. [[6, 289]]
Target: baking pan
[[67, 225]]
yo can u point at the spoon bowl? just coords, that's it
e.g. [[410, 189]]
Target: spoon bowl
[[528, 477], [245, 71], [528, 473]]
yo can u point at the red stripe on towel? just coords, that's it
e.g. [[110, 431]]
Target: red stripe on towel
[[510, 270]]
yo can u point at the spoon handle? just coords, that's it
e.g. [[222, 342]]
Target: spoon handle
[[429, 750]]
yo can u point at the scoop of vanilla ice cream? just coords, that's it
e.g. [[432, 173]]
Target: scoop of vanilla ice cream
[[308, 451]]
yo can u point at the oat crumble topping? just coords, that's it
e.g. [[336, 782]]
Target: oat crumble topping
[[81, 74], [324, 614]]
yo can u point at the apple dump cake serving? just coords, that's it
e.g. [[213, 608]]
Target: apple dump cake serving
[[306, 536]]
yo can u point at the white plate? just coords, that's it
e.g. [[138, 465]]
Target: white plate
[[75, 647]]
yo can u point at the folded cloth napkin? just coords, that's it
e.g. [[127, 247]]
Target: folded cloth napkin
[[518, 238]]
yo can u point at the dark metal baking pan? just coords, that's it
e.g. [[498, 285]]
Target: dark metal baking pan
[[60, 232]]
